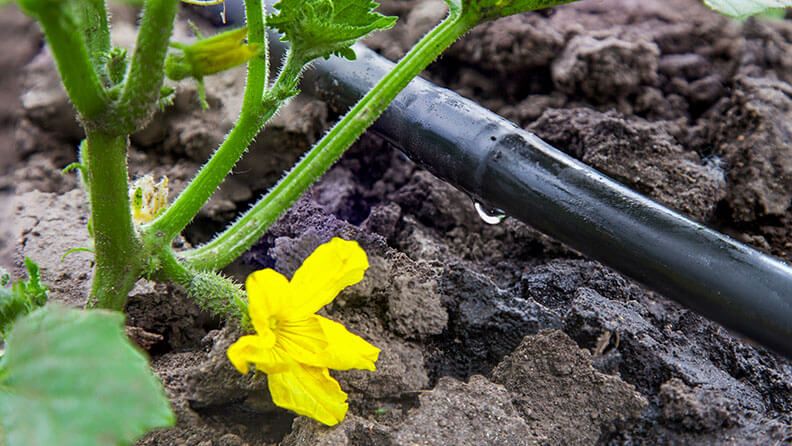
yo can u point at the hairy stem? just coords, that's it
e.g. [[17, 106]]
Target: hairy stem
[[147, 69], [258, 67], [251, 120], [93, 22], [211, 291], [117, 249], [71, 56], [251, 226]]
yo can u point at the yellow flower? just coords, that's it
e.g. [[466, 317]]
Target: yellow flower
[[294, 346]]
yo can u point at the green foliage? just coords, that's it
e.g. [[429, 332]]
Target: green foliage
[[321, 28], [72, 378], [117, 65], [745, 8], [773, 14], [167, 96], [31, 6], [21, 298]]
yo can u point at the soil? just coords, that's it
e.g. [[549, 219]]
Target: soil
[[489, 334]]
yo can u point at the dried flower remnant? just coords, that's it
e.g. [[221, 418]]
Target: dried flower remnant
[[148, 198], [296, 347]]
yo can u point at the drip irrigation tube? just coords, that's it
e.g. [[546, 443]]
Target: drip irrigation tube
[[511, 169]]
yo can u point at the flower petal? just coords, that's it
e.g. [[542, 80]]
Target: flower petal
[[247, 350], [320, 342], [346, 350], [262, 353], [269, 296], [304, 340], [332, 267], [276, 360], [309, 391]]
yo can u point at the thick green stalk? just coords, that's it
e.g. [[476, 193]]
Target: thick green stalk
[[251, 226], [118, 252], [71, 55], [251, 120], [147, 69]]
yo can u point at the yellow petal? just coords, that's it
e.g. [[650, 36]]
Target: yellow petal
[[268, 297], [346, 350], [332, 267], [320, 342], [276, 360], [247, 350], [261, 352], [309, 391]]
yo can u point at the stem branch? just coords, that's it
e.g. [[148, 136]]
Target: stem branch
[[93, 20], [74, 62], [258, 67], [147, 69], [251, 226], [251, 120]]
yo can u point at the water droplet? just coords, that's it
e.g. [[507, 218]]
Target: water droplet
[[489, 215]]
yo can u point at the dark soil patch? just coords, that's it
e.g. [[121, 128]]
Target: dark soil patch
[[490, 334]]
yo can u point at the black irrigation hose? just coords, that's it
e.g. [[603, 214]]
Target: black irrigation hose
[[509, 168], [506, 167]]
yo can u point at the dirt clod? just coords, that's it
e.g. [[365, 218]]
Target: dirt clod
[[602, 67], [664, 170], [561, 394], [754, 137], [467, 414]]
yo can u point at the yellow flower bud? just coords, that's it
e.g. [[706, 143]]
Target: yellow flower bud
[[211, 55]]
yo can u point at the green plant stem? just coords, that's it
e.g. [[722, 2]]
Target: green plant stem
[[258, 67], [93, 20], [170, 269], [251, 226], [147, 69], [211, 291], [251, 120], [117, 249], [71, 55]]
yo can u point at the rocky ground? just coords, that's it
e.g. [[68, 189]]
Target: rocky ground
[[490, 334]]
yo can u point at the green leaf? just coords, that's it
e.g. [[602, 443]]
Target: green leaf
[[12, 307], [72, 378], [33, 289], [321, 28], [745, 8], [23, 297]]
